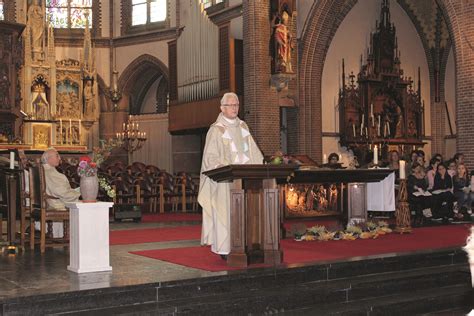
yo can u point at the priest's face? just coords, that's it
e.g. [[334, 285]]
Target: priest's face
[[231, 108], [54, 159]]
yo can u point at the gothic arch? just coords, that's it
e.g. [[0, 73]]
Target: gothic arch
[[105, 104], [138, 76], [458, 16], [321, 25]]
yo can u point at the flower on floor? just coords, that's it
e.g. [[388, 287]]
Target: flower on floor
[[352, 232]]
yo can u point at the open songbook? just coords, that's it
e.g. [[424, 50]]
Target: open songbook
[[421, 193], [440, 191]]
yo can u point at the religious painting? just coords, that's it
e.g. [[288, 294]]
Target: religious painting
[[67, 99], [41, 136], [312, 200]]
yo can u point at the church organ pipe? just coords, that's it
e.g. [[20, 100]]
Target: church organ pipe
[[197, 62]]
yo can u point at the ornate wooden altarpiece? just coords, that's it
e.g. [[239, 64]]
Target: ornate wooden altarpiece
[[381, 108], [53, 102]]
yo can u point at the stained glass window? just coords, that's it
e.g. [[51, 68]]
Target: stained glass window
[[2, 16], [210, 3], [69, 13], [148, 11]]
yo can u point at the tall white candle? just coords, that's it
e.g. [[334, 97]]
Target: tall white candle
[[376, 155], [378, 128], [12, 160], [80, 123], [402, 169], [61, 130], [354, 130], [325, 158]]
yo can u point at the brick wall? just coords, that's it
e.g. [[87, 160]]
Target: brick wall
[[459, 15], [262, 113], [323, 20]]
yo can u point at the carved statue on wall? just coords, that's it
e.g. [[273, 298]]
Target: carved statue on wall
[[40, 102], [36, 26], [283, 44], [88, 98]]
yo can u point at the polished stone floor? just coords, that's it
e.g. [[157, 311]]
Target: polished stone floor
[[30, 273]]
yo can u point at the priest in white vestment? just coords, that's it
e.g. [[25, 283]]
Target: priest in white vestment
[[57, 185], [228, 141]]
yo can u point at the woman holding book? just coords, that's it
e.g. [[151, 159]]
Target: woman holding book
[[443, 197]]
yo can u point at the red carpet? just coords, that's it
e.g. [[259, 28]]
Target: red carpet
[[328, 223], [171, 217], [139, 236], [311, 251]]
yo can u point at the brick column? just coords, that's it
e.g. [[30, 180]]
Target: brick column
[[262, 113], [437, 115], [461, 26]]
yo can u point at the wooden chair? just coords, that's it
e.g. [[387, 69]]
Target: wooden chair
[[27, 189], [45, 215], [186, 189], [145, 193]]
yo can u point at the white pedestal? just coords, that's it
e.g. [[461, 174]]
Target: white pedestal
[[89, 237]]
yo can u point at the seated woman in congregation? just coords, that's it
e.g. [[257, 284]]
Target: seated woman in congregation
[[443, 198], [452, 167], [412, 161], [333, 162], [419, 198], [431, 171], [463, 193]]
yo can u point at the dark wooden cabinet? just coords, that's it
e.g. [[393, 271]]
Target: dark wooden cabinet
[[11, 61]]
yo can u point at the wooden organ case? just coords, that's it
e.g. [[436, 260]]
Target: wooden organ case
[[382, 108]]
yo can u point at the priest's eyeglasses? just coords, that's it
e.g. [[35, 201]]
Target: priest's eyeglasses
[[235, 106]]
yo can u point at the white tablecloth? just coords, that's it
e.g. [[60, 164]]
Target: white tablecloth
[[381, 195]]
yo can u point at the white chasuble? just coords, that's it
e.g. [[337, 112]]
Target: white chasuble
[[226, 143]]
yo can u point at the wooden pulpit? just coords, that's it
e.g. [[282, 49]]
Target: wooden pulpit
[[254, 211]]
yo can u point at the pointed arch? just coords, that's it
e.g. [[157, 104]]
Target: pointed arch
[[137, 78]]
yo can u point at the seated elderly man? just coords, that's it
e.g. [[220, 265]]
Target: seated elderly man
[[57, 184]]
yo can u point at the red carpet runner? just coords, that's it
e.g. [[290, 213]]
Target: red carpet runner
[[171, 217], [139, 236], [312, 251]]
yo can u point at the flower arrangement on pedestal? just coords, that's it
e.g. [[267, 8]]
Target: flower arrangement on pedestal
[[87, 170]]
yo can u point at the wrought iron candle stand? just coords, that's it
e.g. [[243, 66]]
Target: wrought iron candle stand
[[402, 213]]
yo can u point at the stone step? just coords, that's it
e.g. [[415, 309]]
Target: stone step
[[340, 275], [307, 296]]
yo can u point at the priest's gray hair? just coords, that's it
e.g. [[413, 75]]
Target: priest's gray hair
[[46, 154], [227, 96]]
